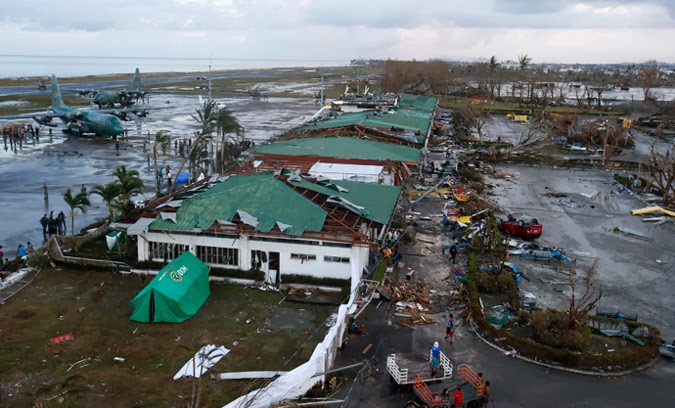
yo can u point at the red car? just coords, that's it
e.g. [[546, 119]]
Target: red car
[[520, 228]]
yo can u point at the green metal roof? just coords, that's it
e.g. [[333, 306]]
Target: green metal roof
[[375, 202], [408, 120], [425, 103], [267, 202], [262, 196], [343, 148]]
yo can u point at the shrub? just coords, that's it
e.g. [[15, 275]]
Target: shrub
[[634, 357], [469, 173], [550, 328]]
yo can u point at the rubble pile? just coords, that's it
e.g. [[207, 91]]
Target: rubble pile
[[413, 300]]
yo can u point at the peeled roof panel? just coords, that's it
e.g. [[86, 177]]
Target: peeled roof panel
[[261, 196], [378, 200]]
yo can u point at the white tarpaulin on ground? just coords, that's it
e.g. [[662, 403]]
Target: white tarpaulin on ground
[[298, 381], [205, 358]]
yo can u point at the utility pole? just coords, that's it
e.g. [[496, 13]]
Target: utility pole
[[209, 81], [323, 93]]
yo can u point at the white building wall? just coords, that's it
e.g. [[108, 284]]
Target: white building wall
[[318, 268]]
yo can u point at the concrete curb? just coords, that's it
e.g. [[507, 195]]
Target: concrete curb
[[569, 370]]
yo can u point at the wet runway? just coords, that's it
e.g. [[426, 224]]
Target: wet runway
[[64, 161]]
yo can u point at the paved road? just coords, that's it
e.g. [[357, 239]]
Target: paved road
[[515, 383]]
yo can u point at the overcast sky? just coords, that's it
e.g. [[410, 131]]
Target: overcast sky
[[591, 31]]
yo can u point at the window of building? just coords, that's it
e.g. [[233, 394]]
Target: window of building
[[219, 256], [339, 259], [304, 257], [163, 251]]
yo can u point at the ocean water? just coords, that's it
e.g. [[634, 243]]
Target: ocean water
[[63, 66]]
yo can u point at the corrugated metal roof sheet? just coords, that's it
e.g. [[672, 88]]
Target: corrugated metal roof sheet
[[409, 120], [342, 168], [425, 103], [376, 202], [261, 196], [343, 148], [264, 202]]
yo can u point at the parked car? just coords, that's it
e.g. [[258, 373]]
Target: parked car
[[520, 228]]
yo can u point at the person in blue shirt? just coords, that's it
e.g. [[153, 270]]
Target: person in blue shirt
[[436, 351], [21, 251]]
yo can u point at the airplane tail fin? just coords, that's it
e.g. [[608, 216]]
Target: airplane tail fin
[[136, 86], [57, 100]]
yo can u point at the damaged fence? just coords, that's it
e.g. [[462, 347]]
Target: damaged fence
[[301, 379]]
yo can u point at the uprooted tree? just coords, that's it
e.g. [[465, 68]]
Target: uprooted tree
[[468, 118], [584, 300], [568, 329], [662, 172]]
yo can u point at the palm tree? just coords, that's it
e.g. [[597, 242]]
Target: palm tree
[[162, 143], [109, 193], [493, 64], [77, 202], [130, 184], [226, 123], [206, 116], [524, 61]]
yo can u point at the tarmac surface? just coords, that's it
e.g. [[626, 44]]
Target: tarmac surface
[[146, 81], [62, 161]]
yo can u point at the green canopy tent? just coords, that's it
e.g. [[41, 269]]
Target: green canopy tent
[[175, 294]]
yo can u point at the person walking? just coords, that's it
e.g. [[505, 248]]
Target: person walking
[[450, 328], [487, 395], [457, 398], [44, 221], [453, 253], [45, 191]]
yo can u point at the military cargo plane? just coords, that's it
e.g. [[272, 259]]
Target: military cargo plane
[[113, 98], [80, 122]]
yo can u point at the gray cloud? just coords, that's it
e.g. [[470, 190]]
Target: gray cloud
[[324, 29]]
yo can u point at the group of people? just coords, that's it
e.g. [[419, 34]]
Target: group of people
[[53, 225], [14, 135], [180, 145], [21, 252], [388, 248], [161, 173], [456, 399]]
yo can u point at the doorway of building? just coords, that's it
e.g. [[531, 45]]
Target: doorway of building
[[275, 269]]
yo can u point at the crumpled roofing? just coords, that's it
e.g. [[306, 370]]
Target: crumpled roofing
[[375, 202], [406, 120], [421, 102], [259, 197]]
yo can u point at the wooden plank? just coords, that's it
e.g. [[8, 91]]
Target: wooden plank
[[248, 375], [367, 349]]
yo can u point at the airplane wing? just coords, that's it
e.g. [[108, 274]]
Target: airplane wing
[[129, 113], [46, 117]]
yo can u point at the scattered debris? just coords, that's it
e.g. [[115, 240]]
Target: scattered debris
[[119, 359], [205, 358], [556, 194], [367, 349], [62, 339], [247, 375]]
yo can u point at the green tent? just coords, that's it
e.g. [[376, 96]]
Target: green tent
[[175, 294]]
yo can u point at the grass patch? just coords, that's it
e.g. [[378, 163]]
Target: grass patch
[[94, 307]]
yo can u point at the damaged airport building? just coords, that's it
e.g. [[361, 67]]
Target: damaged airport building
[[314, 202]]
